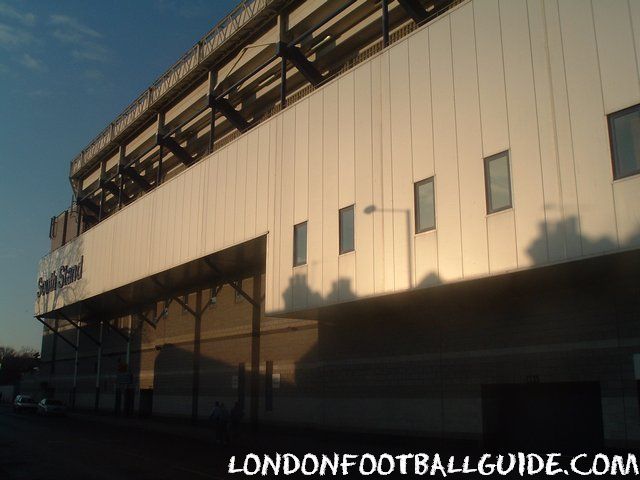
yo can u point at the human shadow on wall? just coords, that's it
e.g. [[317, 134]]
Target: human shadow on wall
[[415, 362]]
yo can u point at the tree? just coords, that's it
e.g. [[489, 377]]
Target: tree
[[14, 363]]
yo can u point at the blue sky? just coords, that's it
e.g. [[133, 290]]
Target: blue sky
[[67, 68]]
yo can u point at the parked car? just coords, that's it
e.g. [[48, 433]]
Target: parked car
[[24, 403], [50, 406]]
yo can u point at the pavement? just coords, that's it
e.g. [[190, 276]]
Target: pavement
[[87, 446]]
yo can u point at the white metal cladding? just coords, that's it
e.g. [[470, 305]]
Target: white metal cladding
[[535, 77]]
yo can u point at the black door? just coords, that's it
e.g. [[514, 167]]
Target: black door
[[543, 416]]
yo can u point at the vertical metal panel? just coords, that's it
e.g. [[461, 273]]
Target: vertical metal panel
[[590, 138], [264, 189], [346, 170], [634, 13], [469, 144], [401, 211], [616, 54], [252, 183], [546, 132], [289, 141], [301, 162], [386, 204], [185, 212], [330, 199], [270, 302], [627, 197], [570, 227], [345, 287], [427, 259], [493, 106], [526, 172], [221, 199], [502, 242], [211, 181], [446, 161], [241, 189], [315, 226], [231, 187], [421, 119], [364, 283], [376, 168]]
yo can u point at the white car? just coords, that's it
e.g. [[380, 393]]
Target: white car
[[24, 403], [50, 406]]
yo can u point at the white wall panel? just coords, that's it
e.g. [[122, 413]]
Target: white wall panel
[[253, 140], [230, 200], [346, 165], [421, 119], [264, 189], [386, 211], [401, 208], [330, 199], [569, 228], [616, 54], [445, 152], [627, 198], [501, 236], [221, 199], [363, 182], [289, 140], [301, 159], [526, 171], [241, 189], [590, 139], [548, 150], [379, 251], [315, 248], [469, 144]]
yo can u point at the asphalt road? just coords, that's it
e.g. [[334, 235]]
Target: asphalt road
[[69, 448]]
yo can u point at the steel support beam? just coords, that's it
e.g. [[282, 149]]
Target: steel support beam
[[244, 294], [212, 80], [306, 68], [117, 330], [136, 177], [96, 405], [175, 148], [89, 336], [283, 23], [74, 388], [121, 161], [87, 203], [414, 9], [195, 390], [255, 352], [186, 307], [55, 332], [110, 186], [223, 106], [160, 132], [385, 22]]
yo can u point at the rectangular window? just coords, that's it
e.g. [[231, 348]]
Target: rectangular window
[[624, 136], [497, 182], [300, 244], [347, 243], [424, 204]]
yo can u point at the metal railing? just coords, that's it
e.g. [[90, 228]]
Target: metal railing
[[234, 21]]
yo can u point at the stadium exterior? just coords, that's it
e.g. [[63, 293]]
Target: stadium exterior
[[412, 217]]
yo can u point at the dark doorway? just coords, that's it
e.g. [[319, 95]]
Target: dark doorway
[[146, 402], [543, 416]]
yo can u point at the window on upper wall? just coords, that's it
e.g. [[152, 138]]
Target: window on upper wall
[[300, 244], [497, 181], [346, 219], [624, 136], [424, 205]]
